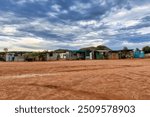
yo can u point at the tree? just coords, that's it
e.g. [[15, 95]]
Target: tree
[[102, 47], [125, 48], [124, 53], [146, 49], [5, 50], [137, 49]]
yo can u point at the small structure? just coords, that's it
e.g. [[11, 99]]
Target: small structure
[[120, 54], [53, 56], [99, 54], [77, 54], [10, 57], [87, 54], [147, 55], [64, 56], [125, 54], [19, 59], [139, 54], [113, 55]]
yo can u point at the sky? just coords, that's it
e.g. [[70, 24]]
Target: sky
[[72, 24]]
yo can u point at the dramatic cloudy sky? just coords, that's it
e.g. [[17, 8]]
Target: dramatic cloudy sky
[[72, 24]]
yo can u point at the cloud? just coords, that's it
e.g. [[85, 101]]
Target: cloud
[[56, 7], [86, 23], [21, 2], [126, 18], [53, 24], [8, 30], [80, 7], [144, 31], [135, 45]]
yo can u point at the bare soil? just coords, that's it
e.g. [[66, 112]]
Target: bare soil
[[69, 80]]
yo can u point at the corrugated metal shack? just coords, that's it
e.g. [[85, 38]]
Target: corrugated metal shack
[[121, 54], [99, 54], [77, 54]]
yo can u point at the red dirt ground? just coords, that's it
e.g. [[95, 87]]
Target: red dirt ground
[[95, 79]]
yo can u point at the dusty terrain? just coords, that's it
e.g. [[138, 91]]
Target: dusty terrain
[[96, 79]]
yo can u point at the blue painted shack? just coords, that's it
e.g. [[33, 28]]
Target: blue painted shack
[[139, 54]]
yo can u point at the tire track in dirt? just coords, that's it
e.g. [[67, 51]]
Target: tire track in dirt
[[70, 69], [92, 95], [102, 68], [78, 92], [28, 76], [56, 73], [140, 74]]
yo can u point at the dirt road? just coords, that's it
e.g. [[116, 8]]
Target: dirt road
[[95, 79]]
